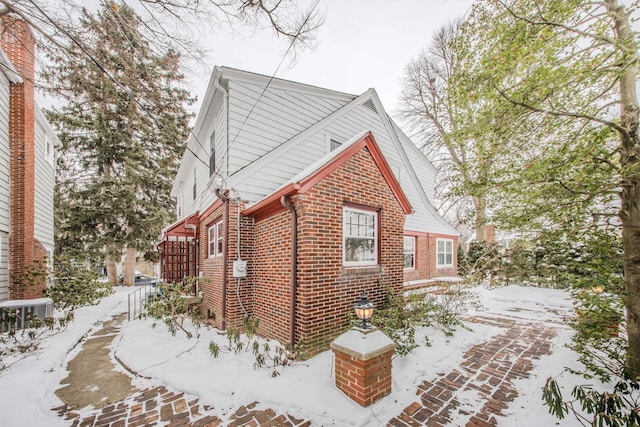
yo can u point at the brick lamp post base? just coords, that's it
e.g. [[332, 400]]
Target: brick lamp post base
[[363, 364]]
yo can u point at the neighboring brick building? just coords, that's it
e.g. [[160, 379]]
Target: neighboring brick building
[[332, 200], [27, 168]]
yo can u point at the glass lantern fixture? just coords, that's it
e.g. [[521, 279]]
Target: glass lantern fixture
[[364, 311]]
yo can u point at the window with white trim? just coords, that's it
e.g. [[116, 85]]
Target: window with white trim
[[195, 180], [360, 237], [212, 154], [215, 239], [409, 252], [444, 252], [49, 149]]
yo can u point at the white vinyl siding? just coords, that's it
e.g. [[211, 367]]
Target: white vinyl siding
[[278, 116], [198, 168], [4, 153], [4, 266], [44, 182], [444, 253], [4, 187], [360, 237]]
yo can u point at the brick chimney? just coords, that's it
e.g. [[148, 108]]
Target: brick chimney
[[490, 232], [18, 43]]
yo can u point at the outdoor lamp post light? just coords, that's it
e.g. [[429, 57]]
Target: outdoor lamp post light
[[364, 311]]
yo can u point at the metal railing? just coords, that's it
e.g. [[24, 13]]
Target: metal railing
[[137, 299]]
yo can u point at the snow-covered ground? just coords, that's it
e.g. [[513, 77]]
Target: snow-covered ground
[[305, 390]]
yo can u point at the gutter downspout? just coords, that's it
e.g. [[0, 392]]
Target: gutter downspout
[[225, 255], [294, 268]]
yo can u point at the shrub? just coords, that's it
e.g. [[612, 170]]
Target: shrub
[[171, 306], [75, 286], [402, 315]]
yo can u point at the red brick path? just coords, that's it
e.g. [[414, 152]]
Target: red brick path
[[486, 373]]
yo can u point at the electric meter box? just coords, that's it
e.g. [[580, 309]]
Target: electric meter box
[[239, 268]]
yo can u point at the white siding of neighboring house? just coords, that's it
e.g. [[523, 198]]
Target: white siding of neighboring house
[[44, 181], [4, 187]]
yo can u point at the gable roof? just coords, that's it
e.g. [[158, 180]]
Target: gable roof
[[399, 140], [316, 172]]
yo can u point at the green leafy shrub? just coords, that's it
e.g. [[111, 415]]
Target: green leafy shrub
[[402, 315], [75, 286], [601, 345], [174, 307], [275, 358]]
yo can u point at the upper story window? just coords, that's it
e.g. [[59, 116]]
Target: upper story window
[[444, 252], [48, 147], [409, 252], [212, 154], [360, 237], [195, 188], [215, 240]]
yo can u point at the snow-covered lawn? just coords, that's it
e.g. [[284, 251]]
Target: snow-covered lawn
[[305, 390]]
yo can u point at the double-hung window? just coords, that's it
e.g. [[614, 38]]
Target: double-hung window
[[409, 252], [360, 237], [215, 239], [444, 253]]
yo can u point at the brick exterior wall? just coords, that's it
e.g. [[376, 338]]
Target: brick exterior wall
[[19, 45], [425, 257], [212, 269], [327, 290], [272, 276]]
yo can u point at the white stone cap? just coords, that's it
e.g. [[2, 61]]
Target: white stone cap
[[25, 302], [363, 344]]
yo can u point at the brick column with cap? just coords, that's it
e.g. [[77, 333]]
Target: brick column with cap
[[363, 364]]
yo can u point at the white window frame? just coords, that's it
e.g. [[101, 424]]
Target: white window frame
[[49, 149], [346, 235], [328, 139], [215, 240], [444, 252], [212, 154], [405, 252]]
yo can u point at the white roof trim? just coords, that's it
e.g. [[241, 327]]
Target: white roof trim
[[312, 168], [391, 129], [278, 83]]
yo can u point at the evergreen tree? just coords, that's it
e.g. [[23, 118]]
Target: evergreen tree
[[123, 128]]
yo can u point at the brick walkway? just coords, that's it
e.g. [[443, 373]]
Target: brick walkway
[[159, 406], [486, 374]]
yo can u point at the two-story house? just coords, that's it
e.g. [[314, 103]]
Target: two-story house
[[294, 199]]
